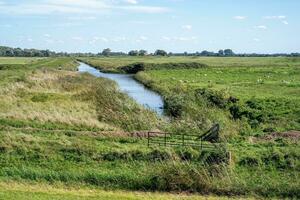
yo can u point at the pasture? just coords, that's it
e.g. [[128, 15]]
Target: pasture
[[19, 60], [112, 63]]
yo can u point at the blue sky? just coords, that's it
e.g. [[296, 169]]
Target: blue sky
[[262, 26]]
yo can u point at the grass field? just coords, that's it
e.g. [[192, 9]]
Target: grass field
[[270, 95], [12, 60], [24, 191], [112, 63], [66, 129]]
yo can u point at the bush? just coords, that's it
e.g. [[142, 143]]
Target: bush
[[174, 105], [77, 154], [180, 177], [186, 65], [158, 155], [112, 156], [249, 161], [133, 68], [136, 67], [214, 157], [188, 154], [215, 98]]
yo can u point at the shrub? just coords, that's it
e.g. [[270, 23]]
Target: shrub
[[249, 161], [188, 154], [158, 155], [137, 155], [216, 98], [214, 157], [40, 98], [174, 105], [77, 154], [112, 156], [133, 68], [180, 177]]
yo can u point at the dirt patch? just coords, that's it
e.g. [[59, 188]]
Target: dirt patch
[[144, 134], [292, 135]]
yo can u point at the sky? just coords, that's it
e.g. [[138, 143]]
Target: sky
[[246, 26]]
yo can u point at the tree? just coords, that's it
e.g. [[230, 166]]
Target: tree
[[221, 53], [106, 52], [170, 54], [143, 52], [133, 53], [160, 52], [228, 52]]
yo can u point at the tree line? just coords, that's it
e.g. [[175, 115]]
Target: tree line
[[18, 52]]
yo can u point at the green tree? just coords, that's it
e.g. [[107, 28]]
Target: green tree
[[228, 52], [143, 52], [106, 52], [160, 52], [221, 53], [133, 53]]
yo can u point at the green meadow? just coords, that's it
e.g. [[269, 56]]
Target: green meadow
[[66, 135]]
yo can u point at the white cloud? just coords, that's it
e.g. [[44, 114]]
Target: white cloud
[[263, 27], [46, 7], [95, 39], [180, 39], [239, 17], [143, 38], [256, 39], [187, 27], [275, 17], [166, 38], [50, 41], [82, 18], [47, 35], [131, 1], [280, 18], [118, 39], [144, 9], [104, 39], [76, 38]]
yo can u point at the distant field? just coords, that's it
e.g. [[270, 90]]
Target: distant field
[[243, 82], [17, 60], [111, 63]]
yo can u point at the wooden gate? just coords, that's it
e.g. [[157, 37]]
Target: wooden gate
[[208, 140]]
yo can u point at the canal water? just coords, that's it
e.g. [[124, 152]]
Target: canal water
[[130, 86]]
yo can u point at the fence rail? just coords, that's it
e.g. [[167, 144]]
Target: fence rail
[[183, 140]]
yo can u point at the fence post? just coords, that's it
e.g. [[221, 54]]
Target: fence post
[[148, 139], [165, 139]]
